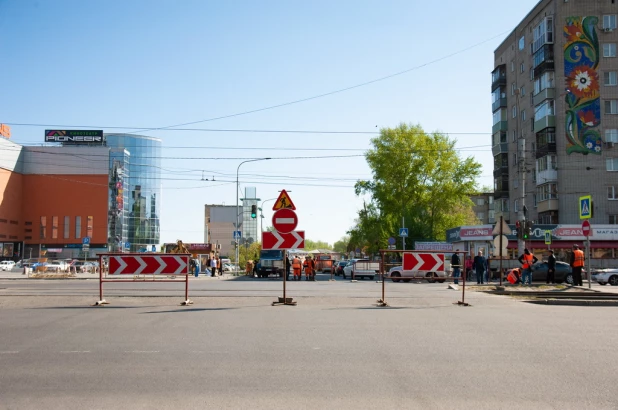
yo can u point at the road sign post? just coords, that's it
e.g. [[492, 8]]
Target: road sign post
[[586, 230]]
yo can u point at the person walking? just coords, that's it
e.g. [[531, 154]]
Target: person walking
[[456, 265], [468, 267], [296, 267], [213, 267], [312, 265], [480, 266], [551, 268], [527, 259], [577, 264], [219, 265]]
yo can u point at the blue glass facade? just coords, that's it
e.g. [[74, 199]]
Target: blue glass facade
[[141, 195]]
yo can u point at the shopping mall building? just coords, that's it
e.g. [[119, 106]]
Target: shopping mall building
[[79, 194]]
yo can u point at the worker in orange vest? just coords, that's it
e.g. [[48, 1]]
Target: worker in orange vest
[[577, 263], [296, 267], [307, 268], [527, 259]]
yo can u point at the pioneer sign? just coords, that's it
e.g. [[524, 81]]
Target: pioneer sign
[[75, 136]]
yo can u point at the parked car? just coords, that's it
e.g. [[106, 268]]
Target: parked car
[[397, 273], [563, 272], [340, 266], [6, 265], [605, 276]]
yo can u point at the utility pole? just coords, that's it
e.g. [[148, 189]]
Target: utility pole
[[521, 159]]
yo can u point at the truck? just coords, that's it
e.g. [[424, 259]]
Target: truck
[[271, 263]]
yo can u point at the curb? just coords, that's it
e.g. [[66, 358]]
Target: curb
[[571, 302]]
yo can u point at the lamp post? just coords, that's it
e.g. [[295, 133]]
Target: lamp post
[[262, 213], [237, 211]]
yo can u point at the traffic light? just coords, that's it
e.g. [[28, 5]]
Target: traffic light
[[528, 230], [253, 211]]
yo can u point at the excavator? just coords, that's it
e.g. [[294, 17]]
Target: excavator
[[179, 248]]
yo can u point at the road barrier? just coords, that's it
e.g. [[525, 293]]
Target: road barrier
[[143, 267], [426, 265]]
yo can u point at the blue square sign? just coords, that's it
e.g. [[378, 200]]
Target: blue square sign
[[585, 207], [403, 232]]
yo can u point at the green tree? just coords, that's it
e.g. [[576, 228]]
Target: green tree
[[312, 245], [342, 244], [418, 176]]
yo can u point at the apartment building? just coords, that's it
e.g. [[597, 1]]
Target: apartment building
[[555, 114], [483, 207]]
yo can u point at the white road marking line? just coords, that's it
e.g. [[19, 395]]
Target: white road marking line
[[75, 351], [141, 351], [10, 352]]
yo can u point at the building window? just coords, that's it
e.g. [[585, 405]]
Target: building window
[[534, 201], [611, 192], [54, 227], [613, 219], [513, 88], [522, 43], [481, 216], [491, 199], [609, 78], [609, 50], [609, 22], [90, 226], [514, 159], [43, 227], [515, 182], [611, 135], [523, 115], [514, 111], [66, 230], [514, 136], [78, 227], [545, 109], [512, 66], [545, 80], [522, 68], [522, 90], [492, 216], [516, 206], [611, 107], [547, 191]]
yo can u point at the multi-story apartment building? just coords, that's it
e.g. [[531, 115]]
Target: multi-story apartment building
[[483, 207], [555, 114]]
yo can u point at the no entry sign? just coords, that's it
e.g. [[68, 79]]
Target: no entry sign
[[285, 220]]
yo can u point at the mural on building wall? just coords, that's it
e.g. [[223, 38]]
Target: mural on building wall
[[583, 104]]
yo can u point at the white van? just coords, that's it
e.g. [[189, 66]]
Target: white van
[[6, 265]]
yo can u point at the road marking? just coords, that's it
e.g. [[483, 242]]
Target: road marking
[[10, 352], [75, 351], [141, 351]]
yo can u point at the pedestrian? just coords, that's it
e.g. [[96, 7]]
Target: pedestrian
[[456, 265], [480, 266], [220, 272], [312, 265], [551, 268], [307, 267], [213, 267], [286, 262], [527, 259], [208, 269], [577, 264], [468, 267], [196, 267], [296, 267]]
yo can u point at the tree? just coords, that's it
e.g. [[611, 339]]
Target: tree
[[311, 245], [342, 244], [417, 176]]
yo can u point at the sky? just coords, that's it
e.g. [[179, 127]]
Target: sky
[[230, 68]]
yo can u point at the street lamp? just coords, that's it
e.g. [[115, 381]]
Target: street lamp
[[237, 211], [262, 213]]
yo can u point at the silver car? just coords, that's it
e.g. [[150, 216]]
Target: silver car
[[605, 276], [398, 274]]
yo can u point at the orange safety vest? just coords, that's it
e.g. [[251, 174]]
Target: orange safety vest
[[579, 258], [296, 263], [528, 258]]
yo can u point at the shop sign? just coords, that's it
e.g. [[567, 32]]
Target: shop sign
[[74, 137]]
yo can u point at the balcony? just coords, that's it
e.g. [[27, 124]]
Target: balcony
[[545, 149], [500, 103], [498, 77], [499, 126], [545, 122], [548, 175], [548, 205], [543, 59], [501, 193], [546, 94], [502, 172], [502, 148]]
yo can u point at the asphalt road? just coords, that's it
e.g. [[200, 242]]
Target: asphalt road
[[335, 350]]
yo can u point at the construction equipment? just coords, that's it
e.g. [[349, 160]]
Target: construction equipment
[[179, 248]]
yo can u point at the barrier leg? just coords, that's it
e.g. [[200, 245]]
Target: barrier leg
[[463, 291], [101, 301], [187, 300], [382, 302]]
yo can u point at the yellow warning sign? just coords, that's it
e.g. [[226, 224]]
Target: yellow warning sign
[[284, 202]]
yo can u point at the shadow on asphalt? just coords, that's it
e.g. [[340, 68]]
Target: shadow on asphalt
[[387, 308], [90, 307], [187, 310]]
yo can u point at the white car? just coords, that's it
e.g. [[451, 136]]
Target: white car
[[7, 265], [605, 276]]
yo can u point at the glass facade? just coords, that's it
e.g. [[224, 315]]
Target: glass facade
[[138, 206]]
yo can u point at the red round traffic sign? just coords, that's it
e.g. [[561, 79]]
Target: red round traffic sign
[[586, 227], [285, 220]]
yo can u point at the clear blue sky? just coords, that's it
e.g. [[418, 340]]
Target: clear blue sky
[[158, 63]]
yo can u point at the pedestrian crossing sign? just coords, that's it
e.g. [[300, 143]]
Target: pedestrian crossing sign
[[585, 207]]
